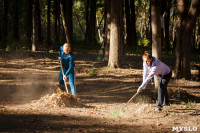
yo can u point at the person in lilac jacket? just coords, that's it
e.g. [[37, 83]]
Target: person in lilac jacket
[[161, 70]]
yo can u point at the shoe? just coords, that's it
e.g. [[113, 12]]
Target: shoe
[[159, 109]]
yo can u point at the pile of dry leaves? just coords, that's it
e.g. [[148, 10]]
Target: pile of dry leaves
[[56, 100]]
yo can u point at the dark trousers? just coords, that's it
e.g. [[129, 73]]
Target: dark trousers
[[162, 90]]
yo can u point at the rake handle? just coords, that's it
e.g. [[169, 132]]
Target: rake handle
[[63, 76], [130, 100]]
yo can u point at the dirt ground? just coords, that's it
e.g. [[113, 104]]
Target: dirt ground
[[27, 76]]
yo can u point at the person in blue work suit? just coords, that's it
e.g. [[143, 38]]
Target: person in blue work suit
[[67, 58], [158, 68]]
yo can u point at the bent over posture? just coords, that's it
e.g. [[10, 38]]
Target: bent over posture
[[67, 58], [161, 70]]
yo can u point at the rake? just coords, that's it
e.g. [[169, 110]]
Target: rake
[[120, 111], [63, 76]]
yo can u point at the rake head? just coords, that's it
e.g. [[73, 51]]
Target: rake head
[[118, 113]]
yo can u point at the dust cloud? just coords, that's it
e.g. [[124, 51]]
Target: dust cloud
[[25, 77]]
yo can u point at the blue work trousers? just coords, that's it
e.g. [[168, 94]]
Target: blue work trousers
[[162, 90], [71, 81]]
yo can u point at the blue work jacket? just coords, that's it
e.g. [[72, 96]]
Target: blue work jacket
[[67, 61]]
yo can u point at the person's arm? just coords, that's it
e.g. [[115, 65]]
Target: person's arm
[[149, 77], [70, 66], [145, 71]]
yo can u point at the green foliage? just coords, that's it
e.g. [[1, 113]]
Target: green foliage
[[171, 44], [144, 42]]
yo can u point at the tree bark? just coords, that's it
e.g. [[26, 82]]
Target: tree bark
[[87, 20], [156, 33], [174, 27], [38, 20], [67, 7], [108, 20], [90, 28], [0, 32], [39, 30], [116, 36], [150, 26], [56, 20], [48, 23], [16, 21], [167, 18], [34, 28], [128, 23], [5, 21], [185, 24], [145, 21], [29, 22], [133, 23], [59, 19], [198, 33], [131, 38], [64, 23]]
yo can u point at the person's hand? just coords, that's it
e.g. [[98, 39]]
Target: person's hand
[[59, 58], [139, 89], [64, 77]]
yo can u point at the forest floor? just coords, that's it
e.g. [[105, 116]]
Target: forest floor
[[28, 76]]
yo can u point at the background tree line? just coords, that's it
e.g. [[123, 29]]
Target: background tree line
[[172, 25]]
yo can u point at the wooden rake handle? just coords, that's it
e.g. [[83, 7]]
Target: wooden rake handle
[[130, 100], [63, 76]]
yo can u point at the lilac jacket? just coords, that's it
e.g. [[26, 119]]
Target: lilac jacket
[[157, 68]]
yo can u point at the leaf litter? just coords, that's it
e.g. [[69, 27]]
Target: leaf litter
[[56, 100]]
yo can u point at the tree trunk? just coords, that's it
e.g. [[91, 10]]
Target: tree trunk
[[150, 26], [98, 30], [185, 24], [163, 5], [108, 20], [0, 32], [48, 23], [145, 21], [167, 17], [156, 33], [67, 7], [174, 27], [5, 22], [64, 23], [56, 20], [34, 28], [116, 35], [39, 30], [87, 21], [59, 19], [90, 28], [198, 33], [105, 18], [194, 37], [16, 21], [29, 22], [128, 23], [133, 23]]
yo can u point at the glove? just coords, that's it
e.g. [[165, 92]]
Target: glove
[[59, 58], [64, 77]]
